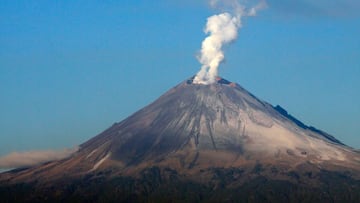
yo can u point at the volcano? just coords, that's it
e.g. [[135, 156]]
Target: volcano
[[198, 143]]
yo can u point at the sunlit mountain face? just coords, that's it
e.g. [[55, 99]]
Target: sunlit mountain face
[[198, 143]]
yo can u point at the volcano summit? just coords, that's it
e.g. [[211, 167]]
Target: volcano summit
[[198, 143]]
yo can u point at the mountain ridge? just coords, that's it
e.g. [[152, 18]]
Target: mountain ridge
[[204, 135]]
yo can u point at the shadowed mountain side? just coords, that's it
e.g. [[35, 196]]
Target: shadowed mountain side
[[215, 140], [156, 184]]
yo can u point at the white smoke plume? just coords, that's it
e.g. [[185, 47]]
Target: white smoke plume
[[31, 158], [222, 29]]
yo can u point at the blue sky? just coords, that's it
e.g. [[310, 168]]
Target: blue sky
[[70, 69]]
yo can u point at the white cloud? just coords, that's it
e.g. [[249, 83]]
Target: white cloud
[[31, 158]]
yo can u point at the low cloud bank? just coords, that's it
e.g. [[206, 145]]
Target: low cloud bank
[[31, 158]]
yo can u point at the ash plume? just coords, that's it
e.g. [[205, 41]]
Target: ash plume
[[222, 29]]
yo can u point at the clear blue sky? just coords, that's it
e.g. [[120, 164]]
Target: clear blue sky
[[70, 69]]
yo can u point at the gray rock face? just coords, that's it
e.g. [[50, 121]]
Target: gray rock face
[[222, 117], [201, 131]]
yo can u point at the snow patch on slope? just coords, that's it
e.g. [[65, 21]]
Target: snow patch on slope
[[283, 136], [91, 153], [100, 162]]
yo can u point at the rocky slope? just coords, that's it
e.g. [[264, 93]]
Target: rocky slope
[[201, 143]]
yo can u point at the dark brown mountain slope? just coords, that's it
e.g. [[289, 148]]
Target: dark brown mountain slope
[[199, 143]]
